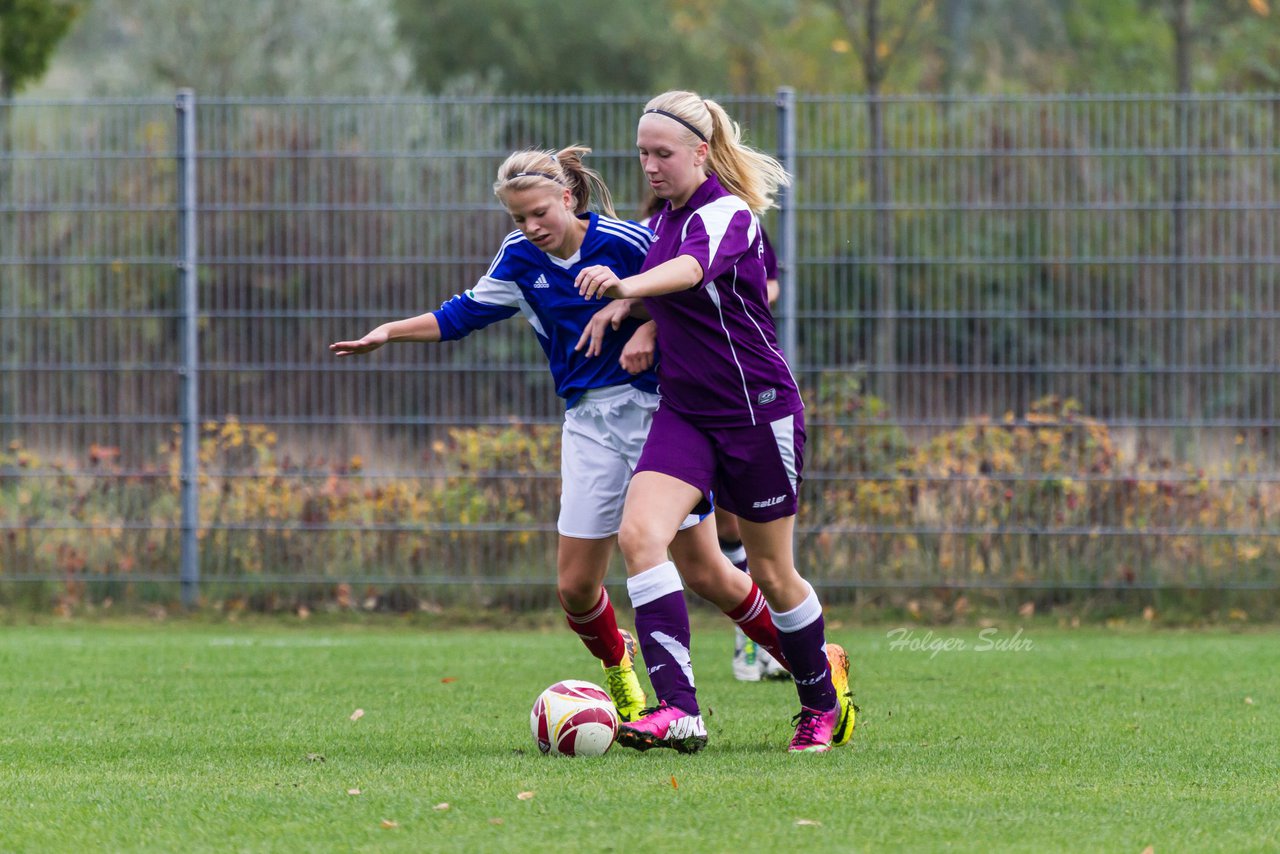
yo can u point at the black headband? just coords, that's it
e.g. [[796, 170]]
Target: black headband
[[546, 175], [696, 132]]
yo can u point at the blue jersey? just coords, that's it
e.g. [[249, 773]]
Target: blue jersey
[[524, 279]]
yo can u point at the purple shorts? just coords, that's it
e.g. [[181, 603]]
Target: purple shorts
[[753, 472]]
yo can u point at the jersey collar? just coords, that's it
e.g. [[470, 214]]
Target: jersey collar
[[576, 258], [707, 190]]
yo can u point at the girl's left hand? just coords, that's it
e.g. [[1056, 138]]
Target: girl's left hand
[[640, 349], [598, 281], [609, 317]]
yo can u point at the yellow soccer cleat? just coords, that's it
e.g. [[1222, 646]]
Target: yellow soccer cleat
[[623, 684], [838, 661]]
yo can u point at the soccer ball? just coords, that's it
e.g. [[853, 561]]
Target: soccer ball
[[574, 718]]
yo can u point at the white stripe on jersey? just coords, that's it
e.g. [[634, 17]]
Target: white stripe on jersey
[[764, 339], [637, 235], [715, 216], [491, 291], [715, 300], [507, 242]]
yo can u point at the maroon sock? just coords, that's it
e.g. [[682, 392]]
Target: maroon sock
[[598, 629], [752, 616]]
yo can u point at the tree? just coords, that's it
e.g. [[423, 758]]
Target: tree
[[29, 31], [1193, 23], [235, 47], [1205, 24], [530, 46], [880, 39]]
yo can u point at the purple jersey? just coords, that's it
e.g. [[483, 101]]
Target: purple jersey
[[721, 363], [770, 259]]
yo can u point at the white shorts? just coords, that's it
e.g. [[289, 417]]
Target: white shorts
[[599, 447]]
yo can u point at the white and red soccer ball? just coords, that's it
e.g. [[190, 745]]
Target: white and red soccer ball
[[574, 718]]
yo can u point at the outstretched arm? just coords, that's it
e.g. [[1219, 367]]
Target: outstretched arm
[[423, 328], [678, 274]]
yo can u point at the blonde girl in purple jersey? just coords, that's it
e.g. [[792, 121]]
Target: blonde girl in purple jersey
[[730, 425], [751, 662]]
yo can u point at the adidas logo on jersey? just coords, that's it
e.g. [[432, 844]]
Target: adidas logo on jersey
[[541, 281]]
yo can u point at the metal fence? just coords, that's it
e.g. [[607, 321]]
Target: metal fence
[[1035, 335]]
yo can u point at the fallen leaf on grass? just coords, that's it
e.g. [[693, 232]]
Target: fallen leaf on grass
[[1248, 701], [446, 680], [1150, 849], [496, 821], [674, 784], [357, 714], [808, 822], [441, 807], [525, 796], [353, 791], [388, 824]]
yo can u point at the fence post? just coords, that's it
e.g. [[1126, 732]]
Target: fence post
[[785, 243], [188, 300]]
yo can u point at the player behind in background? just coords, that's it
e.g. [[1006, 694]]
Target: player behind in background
[[730, 427], [608, 408]]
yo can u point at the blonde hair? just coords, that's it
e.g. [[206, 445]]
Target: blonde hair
[[751, 175], [526, 169]]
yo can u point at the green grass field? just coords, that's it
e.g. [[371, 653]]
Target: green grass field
[[194, 736]]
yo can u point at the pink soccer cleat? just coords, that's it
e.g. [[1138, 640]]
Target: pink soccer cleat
[[665, 726], [815, 730]]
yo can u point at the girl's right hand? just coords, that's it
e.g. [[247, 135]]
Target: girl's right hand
[[370, 342], [597, 282]]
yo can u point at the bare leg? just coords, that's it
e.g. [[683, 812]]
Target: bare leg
[[657, 505], [581, 565], [770, 546], [708, 572]]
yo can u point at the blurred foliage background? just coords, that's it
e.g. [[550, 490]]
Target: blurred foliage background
[[362, 47]]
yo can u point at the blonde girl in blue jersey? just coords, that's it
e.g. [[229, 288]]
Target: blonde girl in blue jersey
[[603, 370]]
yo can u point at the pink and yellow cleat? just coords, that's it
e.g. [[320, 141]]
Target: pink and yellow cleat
[[818, 731]]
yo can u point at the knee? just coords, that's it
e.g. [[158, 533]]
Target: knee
[[640, 545], [577, 594], [703, 578], [770, 575]]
